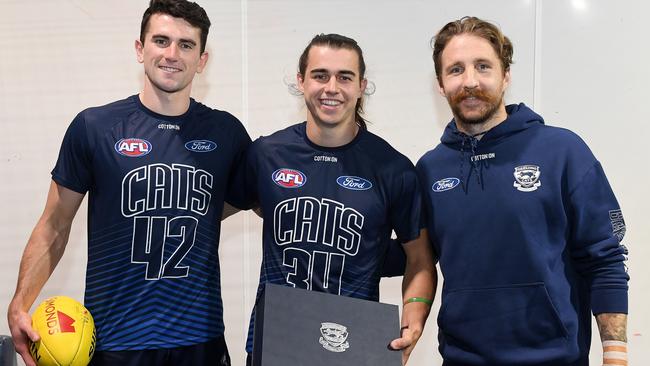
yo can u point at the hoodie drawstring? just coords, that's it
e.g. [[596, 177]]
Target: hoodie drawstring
[[462, 162], [474, 166]]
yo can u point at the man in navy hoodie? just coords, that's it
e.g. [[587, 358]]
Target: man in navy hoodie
[[523, 221]]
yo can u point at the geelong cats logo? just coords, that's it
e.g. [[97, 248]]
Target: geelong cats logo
[[334, 337], [527, 178]]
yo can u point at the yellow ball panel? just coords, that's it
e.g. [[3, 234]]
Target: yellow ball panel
[[67, 333]]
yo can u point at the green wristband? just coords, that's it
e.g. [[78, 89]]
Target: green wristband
[[418, 299]]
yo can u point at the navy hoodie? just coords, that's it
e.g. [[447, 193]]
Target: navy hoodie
[[527, 233]]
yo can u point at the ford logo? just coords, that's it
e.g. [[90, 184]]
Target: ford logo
[[201, 145], [445, 184], [353, 183]]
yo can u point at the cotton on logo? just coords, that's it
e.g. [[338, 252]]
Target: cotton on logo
[[133, 147], [289, 178]]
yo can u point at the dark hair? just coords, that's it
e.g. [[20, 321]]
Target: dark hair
[[477, 27], [338, 41], [189, 11]]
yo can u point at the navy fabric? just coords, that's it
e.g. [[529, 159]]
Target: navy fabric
[[329, 212], [212, 353], [156, 188], [527, 232]]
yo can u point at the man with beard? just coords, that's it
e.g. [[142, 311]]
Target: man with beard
[[524, 223]]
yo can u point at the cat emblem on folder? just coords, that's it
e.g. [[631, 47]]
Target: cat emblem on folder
[[334, 337]]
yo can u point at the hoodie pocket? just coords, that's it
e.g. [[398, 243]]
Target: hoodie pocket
[[508, 325]]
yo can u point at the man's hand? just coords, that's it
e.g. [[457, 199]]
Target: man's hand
[[20, 325], [412, 327]]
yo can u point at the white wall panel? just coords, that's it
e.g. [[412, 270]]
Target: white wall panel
[[594, 80]]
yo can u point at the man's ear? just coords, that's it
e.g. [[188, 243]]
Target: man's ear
[[301, 81], [441, 89], [139, 52], [203, 60]]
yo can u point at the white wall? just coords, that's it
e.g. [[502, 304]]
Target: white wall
[[580, 63], [593, 78]]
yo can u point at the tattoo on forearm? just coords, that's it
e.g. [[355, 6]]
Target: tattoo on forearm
[[612, 327]]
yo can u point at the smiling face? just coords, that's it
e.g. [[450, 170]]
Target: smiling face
[[473, 81], [171, 54], [331, 85]]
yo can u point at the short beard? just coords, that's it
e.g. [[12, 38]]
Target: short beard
[[493, 104]]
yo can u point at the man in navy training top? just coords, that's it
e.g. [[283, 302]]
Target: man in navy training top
[[331, 193], [157, 167], [524, 223]]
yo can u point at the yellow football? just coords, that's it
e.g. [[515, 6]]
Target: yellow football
[[67, 333]]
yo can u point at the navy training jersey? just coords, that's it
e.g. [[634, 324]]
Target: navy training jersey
[[329, 212], [156, 188]]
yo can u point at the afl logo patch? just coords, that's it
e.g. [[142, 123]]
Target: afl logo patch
[[201, 145], [289, 178], [527, 178], [353, 183], [445, 184], [133, 147]]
